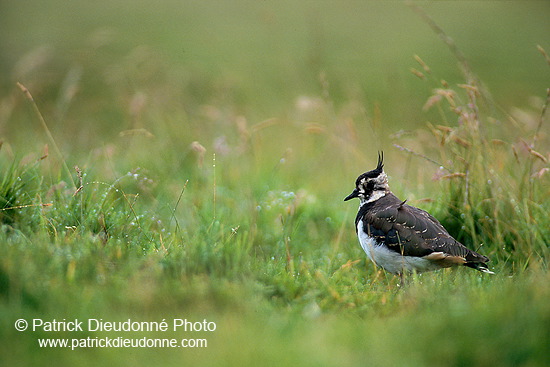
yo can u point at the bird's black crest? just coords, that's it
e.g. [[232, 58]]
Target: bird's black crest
[[380, 165], [375, 172]]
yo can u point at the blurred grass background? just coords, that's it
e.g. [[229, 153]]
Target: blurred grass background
[[215, 142]]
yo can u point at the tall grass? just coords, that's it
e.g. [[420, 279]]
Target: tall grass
[[496, 178], [194, 208]]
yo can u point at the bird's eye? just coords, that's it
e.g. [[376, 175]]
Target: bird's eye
[[370, 185]]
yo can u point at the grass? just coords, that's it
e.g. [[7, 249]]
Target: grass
[[193, 208]]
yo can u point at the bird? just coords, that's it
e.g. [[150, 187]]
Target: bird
[[401, 238]]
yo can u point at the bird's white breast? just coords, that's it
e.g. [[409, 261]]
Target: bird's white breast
[[390, 260]]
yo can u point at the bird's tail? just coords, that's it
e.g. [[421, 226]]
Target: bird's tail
[[479, 266]]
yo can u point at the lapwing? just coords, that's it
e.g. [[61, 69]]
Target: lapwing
[[401, 238]]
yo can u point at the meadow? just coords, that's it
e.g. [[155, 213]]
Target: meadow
[[189, 160]]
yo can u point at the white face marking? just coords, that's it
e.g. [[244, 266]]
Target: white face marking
[[374, 196], [381, 180], [379, 189]]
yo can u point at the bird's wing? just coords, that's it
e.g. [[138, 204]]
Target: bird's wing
[[413, 232]]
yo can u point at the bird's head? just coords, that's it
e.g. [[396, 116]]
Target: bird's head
[[371, 185]]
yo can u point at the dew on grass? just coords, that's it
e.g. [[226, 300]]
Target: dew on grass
[[100, 278]]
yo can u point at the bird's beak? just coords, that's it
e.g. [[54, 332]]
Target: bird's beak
[[354, 194]]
